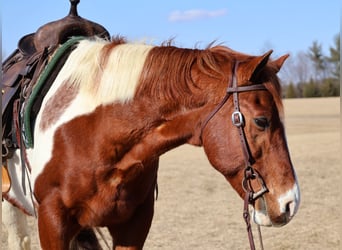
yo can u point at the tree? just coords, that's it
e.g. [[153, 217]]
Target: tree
[[314, 74], [334, 58], [318, 60], [330, 87], [311, 89], [290, 91], [297, 69]]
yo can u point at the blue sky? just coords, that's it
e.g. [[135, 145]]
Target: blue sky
[[247, 26]]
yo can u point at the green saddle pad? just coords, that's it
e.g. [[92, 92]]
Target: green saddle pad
[[62, 52]]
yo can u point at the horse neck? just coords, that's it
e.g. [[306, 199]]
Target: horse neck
[[183, 84]]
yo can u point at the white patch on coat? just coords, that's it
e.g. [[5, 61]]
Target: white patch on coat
[[117, 83]]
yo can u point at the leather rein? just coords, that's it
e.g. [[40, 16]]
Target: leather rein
[[249, 172]]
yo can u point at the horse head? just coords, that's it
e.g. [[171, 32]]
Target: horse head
[[254, 140]]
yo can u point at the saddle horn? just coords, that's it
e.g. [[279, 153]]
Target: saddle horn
[[57, 32], [73, 7]]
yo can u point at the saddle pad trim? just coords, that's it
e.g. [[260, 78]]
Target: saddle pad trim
[[26, 129]]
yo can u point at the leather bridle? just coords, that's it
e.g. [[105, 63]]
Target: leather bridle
[[249, 172]]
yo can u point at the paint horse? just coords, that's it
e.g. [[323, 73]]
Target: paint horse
[[115, 107]]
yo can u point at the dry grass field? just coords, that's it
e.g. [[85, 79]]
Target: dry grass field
[[197, 209]]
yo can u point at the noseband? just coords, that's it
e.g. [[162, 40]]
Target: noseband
[[249, 172]]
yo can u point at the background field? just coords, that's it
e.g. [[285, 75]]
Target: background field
[[197, 209]]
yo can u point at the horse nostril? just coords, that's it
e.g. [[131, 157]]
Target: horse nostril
[[288, 205], [289, 209], [289, 202]]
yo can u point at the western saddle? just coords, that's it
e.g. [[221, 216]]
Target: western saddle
[[21, 70]]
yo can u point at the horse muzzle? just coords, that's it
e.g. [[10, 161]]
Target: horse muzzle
[[276, 212]]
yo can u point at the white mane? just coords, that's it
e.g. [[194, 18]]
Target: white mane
[[114, 81]]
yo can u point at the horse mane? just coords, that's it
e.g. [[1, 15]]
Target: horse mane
[[119, 71], [168, 74]]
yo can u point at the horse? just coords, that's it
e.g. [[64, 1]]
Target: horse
[[115, 107]]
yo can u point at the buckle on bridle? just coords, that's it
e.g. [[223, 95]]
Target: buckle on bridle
[[237, 119]]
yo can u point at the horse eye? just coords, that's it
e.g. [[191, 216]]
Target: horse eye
[[261, 122]]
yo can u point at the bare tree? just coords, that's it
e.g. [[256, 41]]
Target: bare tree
[[315, 53], [297, 69]]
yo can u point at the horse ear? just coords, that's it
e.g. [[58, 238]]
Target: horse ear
[[277, 64], [257, 64]]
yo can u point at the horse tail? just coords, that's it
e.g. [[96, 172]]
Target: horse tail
[[85, 240]]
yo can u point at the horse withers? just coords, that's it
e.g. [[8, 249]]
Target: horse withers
[[115, 107]]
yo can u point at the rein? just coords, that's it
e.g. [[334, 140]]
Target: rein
[[249, 172]]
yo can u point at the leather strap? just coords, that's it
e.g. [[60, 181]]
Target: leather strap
[[238, 89], [237, 117], [232, 89], [247, 219], [249, 173], [212, 113]]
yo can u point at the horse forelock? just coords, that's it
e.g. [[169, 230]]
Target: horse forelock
[[273, 86]]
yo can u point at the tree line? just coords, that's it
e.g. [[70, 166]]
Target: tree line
[[314, 74]]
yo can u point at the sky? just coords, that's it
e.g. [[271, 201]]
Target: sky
[[249, 26]]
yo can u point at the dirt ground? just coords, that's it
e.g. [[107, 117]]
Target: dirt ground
[[197, 209]]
